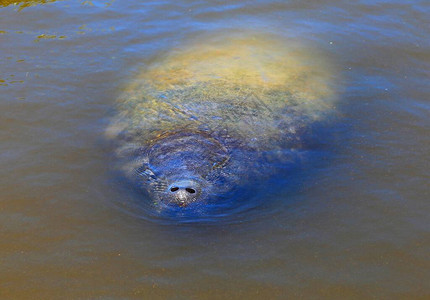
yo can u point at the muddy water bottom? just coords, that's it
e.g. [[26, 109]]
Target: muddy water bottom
[[352, 224]]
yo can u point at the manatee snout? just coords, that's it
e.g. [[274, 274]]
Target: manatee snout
[[183, 192]]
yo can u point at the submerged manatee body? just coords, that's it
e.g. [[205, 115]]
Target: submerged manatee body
[[207, 122]]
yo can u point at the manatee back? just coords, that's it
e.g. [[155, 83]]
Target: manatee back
[[255, 89]]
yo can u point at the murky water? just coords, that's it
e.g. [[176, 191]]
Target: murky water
[[352, 224]]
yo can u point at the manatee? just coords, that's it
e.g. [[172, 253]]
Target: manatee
[[207, 122]]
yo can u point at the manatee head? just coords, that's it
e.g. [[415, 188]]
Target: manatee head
[[185, 168]]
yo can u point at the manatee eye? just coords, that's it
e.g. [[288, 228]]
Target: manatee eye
[[174, 189], [190, 190]]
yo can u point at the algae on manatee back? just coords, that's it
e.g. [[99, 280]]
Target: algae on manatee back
[[228, 82], [252, 94]]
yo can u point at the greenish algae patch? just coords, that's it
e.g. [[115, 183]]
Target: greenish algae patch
[[23, 3], [47, 36], [6, 82], [44, 36]]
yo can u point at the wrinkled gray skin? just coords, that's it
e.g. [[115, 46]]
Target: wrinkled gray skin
[[189, 167], [200, 124]]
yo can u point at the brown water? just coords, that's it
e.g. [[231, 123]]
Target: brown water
[[354, 224]]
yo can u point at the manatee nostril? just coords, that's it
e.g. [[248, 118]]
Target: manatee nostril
[[183, 190], [190, 190]]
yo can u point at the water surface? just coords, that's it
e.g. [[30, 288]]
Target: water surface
[[353, 224]]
